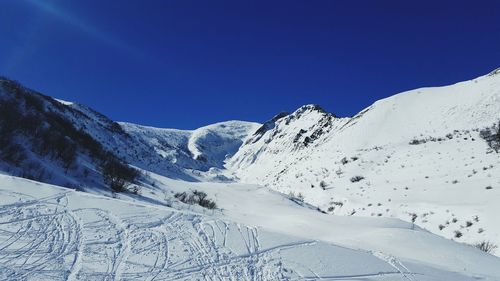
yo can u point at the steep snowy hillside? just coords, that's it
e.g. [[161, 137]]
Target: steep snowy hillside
[[201, 149], [51, 233], [215, 143], [66, 143], [49, 140], [419, 155]]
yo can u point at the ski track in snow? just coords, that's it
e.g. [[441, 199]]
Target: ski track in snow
[[45, 239]]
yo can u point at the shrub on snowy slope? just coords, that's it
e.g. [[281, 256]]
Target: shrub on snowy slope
[[117, 175], [492, 136], [196, 197], [486, 246]]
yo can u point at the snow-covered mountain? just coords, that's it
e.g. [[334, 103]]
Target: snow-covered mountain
[[54, 141], [65, 143], [201, 150], [305, 195], [419, 155]]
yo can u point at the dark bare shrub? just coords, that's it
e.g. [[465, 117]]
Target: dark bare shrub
[[357, 178], [486, 246], [196, 198], [118, 175]]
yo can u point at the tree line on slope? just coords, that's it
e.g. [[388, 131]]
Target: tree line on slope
[[30, 123]]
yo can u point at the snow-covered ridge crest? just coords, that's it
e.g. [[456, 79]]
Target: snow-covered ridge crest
[[287, 134], [310, 113], [494, 72], [64, 102]]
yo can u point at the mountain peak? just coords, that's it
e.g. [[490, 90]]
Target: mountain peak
[[311, 107]]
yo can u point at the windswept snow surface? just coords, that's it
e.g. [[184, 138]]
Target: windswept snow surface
[[51, 233]]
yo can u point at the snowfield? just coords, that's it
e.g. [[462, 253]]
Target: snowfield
[[52, 233]]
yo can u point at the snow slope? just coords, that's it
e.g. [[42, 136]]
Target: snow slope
[[201, 149], [51, 233], [447, 179]]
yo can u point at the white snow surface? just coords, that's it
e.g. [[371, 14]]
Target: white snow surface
[[64, 102], [52, 233]]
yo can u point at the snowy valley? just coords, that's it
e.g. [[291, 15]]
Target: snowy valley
[[404, 190]]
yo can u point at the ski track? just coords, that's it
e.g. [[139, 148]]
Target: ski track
[[396, 264], [47, 240]]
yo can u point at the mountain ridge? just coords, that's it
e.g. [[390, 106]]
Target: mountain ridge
[[419, 153], [420, 156], [406, 188]]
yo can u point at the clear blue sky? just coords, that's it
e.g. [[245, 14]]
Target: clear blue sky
[[186, 63]]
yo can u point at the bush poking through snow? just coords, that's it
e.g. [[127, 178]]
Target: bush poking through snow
[[357, 178], [135, 190], [413, 217], [417, 142], [492, 136], [323, 185], [196, 198], [486, 246], [118, 175], [300, 196]]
